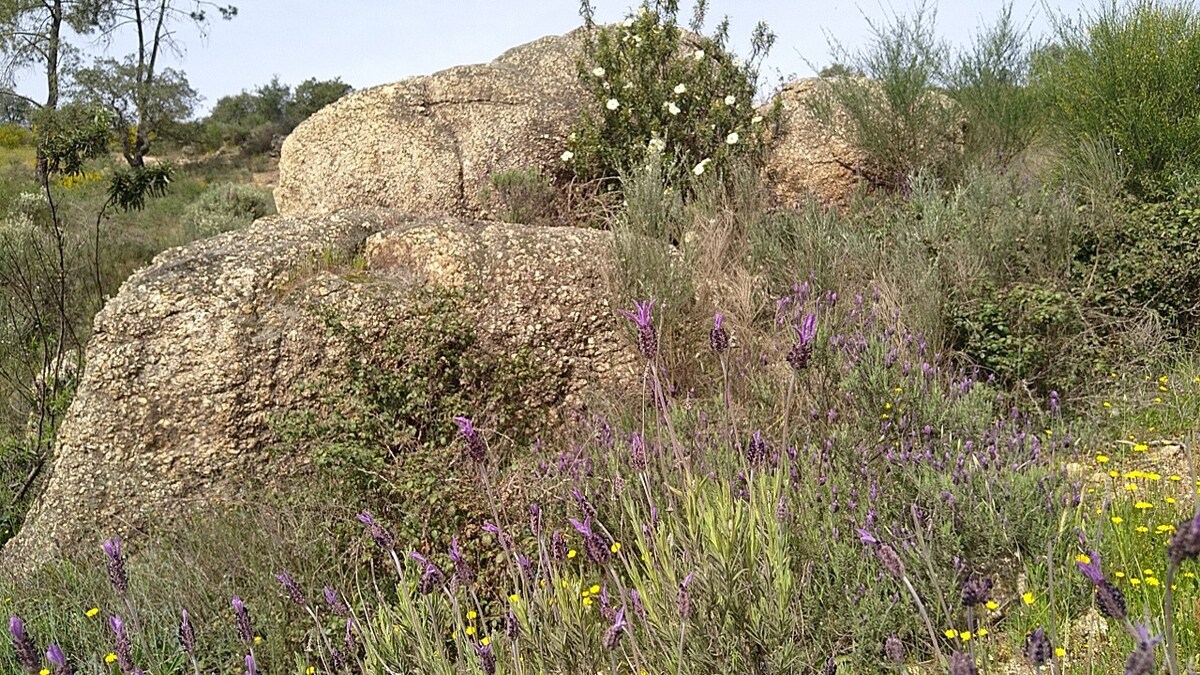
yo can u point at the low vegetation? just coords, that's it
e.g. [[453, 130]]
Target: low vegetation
[[948, 426]]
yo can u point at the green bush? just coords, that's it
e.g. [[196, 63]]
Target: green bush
[[1145, 259], [1126, 76], [654, 89], [226, 207], [523, 196], [382, 422], [14, 136], [894, 114]]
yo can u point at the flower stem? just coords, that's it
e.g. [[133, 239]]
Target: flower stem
[[933, 639], [1169, 620]]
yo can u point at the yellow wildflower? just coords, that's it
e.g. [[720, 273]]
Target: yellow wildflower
[[1028, 598], [1102, 458], [1143, 529], [572, 553], [1143, 505], [1060, 652], [1083, 559], [110, 657], [92, 612], [992, 605], [485, 641], [951, 633], [471, 615], [470, 630], [616, 547], [1140, 447], [1117, 520]]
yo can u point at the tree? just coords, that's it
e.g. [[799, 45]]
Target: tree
[[31, 34], [140, 109], [152, 94], [311, 95]]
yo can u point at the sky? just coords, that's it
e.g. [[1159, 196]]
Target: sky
[[370, 42]]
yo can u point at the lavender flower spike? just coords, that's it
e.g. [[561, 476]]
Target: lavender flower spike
[[244, 627], [1091, 568], [647, 339], [612, 636], [336, 605], [187, 634], [463, 574], [58, 659], [476, 449], [23, 645], [292, 588], [1141, 659], [379, 533], [116, 566], [800, 353], [251, 666], [718, 337], [124, 647], [1109, 598]]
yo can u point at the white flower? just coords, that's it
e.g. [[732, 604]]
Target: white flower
[[699, 55], [756, 119], [568, 156], [680, 88], [657, 144], [627, 22], [671, 107], [730, 99], [628, 85], [612, 104], [737, 63], [598, 71], [699, 168], [637, 39], [732, 138]]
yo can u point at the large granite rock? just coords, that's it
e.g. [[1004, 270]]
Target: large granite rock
[[197, 352]]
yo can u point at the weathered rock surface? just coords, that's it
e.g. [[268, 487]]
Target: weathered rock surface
[[428, 144], [807, 160], [196, 353]]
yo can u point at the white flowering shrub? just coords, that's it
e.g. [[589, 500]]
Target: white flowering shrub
[[655, 88]]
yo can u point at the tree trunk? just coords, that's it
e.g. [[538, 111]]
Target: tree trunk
[[53, 45]]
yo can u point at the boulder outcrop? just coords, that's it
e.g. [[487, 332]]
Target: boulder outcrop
[[197, 352], [428, 144]]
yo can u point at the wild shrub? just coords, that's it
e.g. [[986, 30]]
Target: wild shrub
[[654, 89], [14, 136], [382, 419], [523, 196], [1126, 76], [893, 112], [226, 207]]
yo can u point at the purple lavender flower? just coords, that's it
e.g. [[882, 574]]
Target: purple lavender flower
[[476, 449], [558, 546], [756, 451], [535, 519], [639, 608], [1185, 543], [512, 627], [187, 634], [1109, 598], [506, 541], [890, 560], [463, 574], [294, 593], [23, 645], [893, 648], [647, 339], [637, 452], [431, 575], [612, 636], [718, 337], [585, 506], [379, 533], [963, 664], [251, 666], [124, 647], [487, 660], [1141, 659], [685, 597], [866, 537], [800, 353], [336, 605], [58, 659], [593, 543], [976, 591], [116, 566], [1038, 650], [350, 642], [245, 628]]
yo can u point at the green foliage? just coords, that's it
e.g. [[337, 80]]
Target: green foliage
[[226, 207], [1146, 259], [521, 196], [654, 89], [894, 115], [253, 120], [14, 136], [1126, 76], [128, 188], [383, 418], [70, 136], [989, 82]]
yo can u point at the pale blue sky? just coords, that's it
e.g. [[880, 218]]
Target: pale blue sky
[[368, 42]]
